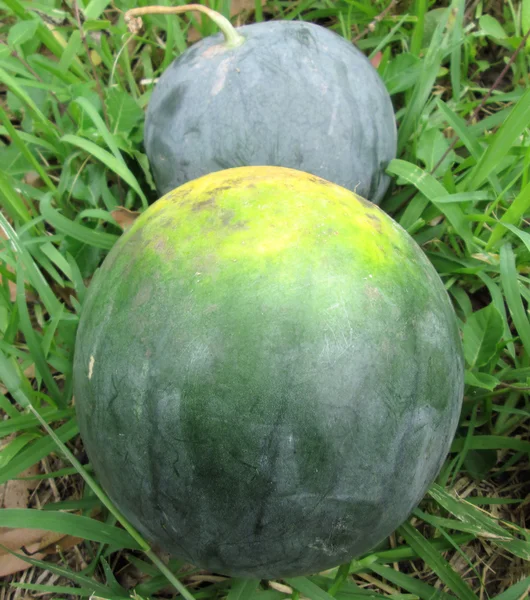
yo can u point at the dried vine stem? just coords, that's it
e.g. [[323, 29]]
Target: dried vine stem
[[133, 18]]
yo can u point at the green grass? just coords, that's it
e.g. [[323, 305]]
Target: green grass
[[77, 85]]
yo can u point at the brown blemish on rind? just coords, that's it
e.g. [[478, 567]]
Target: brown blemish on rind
[[181, 194], [160, 246], [364, 201], [397, 249], [376, 221], [320, 180], [212, 199], [221, 188], [203, 204], [316, 179], [239, 225], [227, 216], [214, 194], [168, 223]]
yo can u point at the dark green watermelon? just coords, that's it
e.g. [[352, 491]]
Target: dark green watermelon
[[293, 94], [268, 373]]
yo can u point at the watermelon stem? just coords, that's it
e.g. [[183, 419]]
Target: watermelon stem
[[232, 37]]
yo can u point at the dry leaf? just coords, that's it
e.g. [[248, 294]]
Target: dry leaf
[[16, 538], [33, 178], [37, 543], [486, 257], [236, 7], [436, 220], [29, 372], [15, 493], [124, 217]]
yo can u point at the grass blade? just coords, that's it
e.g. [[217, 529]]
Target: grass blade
[[479, 523], [423, 87], [411, 584], [510, 285], [420, 7], [24, 421], [512, 216], [311, 590], [18, 90], [436, 562], [11, 201], [502, 142], [518, 591], [10, 450], [46, 36], [107, 159], [67, 524], [95, 8], [482, 332], [35, 277], [492, 442], [466, 135], [522, 235], [101, 127], [36, 451], [456, 53], [242, 589], [306, 587], [55, 590], [87, 583], [98, 239], [433, 189], [33, 343], [12, 132]]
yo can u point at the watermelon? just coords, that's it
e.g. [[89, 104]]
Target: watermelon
[[268, 373], [291, 94]]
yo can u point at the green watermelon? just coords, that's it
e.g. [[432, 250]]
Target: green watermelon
[[268, 373], [292, 94]]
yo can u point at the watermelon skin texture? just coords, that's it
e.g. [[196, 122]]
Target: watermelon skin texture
[[293, 94], [268, 373]]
